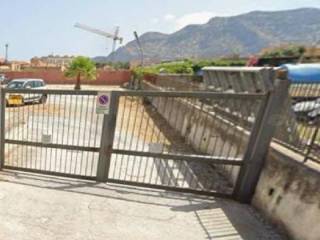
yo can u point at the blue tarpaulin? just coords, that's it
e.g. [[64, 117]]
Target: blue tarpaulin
[[303, 73]]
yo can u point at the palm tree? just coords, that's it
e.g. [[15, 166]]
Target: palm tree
[[81, 67]]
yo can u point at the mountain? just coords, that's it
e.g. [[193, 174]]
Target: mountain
[[222, 36]]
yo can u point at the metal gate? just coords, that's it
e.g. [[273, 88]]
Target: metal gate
[[60, 137], [183, 141]]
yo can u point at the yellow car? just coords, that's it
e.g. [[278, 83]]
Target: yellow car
[[15, 99]]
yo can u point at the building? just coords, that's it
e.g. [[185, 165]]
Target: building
[[52, 61], [312, 54], [13, 65]]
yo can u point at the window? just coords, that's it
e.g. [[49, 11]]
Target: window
[[34, 84], [15, 85], [28, 85]]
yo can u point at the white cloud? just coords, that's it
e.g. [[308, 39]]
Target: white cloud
[[169, 17], [193, 18]]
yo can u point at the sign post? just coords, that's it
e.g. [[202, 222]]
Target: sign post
[[103, 103], [107, 104]]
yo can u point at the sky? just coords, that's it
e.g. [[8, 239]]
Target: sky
[[42, 27]]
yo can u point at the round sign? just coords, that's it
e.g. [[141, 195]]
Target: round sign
[[103, 99]]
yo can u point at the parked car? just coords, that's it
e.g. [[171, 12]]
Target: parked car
[[25, 83], [314, 115], [307, 110], [3, 79]]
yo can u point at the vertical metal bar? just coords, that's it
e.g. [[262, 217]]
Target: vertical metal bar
[[107, 137], [52, 133], [2, 126], [141, 114], [68, 138], [79, 137], [87, 121], [62, 140], [311, 144], [260, 139]]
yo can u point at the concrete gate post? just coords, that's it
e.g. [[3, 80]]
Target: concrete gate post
[[261, 136]]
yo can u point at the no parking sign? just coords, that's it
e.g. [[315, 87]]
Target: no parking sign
[[103, 103]]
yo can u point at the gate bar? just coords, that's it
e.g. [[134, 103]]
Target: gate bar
[[142, 93], [52, 145], [208, 159], [172, 188], [2, 125], [46, 172]]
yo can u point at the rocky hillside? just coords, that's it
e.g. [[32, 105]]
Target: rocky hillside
[[221, 36]]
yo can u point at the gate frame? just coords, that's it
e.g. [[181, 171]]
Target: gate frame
[[257, 148], [250, 166]]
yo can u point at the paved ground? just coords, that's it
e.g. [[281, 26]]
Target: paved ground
[[43, 207], [36, 207]]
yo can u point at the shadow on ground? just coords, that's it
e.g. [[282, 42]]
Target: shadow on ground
[[175, 215]]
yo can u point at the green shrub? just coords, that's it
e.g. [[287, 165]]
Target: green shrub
[[287, 51], [186, 66]]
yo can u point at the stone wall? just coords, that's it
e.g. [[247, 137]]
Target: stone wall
[[56, 76], [179, 82], [288, 193]]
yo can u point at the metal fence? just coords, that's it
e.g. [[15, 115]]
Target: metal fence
[[184, 141], [61, 136], [298, 128], [177, 140]]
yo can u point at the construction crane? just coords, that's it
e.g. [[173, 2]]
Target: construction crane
[[115, 37]]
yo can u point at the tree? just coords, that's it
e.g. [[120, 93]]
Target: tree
[[81, 67], [284, 51]]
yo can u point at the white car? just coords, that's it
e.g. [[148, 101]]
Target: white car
[[307, 109], [25, 83], [306, 106]]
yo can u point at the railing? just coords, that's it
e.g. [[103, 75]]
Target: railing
[[270, 82], [298, 129]]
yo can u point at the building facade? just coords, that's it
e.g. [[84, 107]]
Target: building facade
[[52, 61]]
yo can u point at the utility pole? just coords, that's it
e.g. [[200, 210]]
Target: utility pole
[[6, 54], [138, 78], [139, 47]]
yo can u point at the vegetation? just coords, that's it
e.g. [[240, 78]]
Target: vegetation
[[197, 66], [81, 67], [185, 66], [114, 65], [284, 51]]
